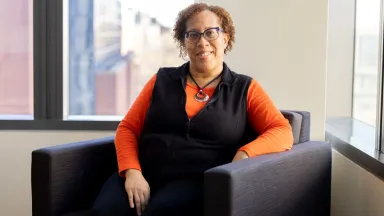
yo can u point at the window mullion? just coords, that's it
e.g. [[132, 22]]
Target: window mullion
[[380, 114], [39, 59], [54, 60]]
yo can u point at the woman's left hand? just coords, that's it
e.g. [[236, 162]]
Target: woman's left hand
[[240, 155]]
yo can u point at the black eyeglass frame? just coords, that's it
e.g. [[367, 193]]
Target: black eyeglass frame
[[218, 29]]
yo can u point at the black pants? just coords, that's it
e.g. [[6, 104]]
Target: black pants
[[176, 198]]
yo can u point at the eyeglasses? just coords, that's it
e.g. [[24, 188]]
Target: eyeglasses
[[209, 34]]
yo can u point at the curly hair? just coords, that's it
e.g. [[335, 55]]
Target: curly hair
[[184, 15]]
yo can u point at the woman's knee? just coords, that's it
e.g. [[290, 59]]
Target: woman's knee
[[112, 199]]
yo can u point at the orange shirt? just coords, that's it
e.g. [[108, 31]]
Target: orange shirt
[[275, 132]]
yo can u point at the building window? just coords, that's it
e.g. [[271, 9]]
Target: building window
[[366, 69], [110, 49], [16, 60], [79, 65]]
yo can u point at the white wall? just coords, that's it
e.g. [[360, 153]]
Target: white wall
[[340, 49], [355, 192], [280, 43]]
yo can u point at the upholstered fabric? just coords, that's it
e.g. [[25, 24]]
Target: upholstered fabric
[[295, 120], [66, 178], [305, 127], [305, 131], [295, 182]]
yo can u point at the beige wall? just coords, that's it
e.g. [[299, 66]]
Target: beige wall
[[15, 164], [355, 192], [281, 45]]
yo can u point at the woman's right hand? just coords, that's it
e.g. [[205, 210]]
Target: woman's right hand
[[137, 189]]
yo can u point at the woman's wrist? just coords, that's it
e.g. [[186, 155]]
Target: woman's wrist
[[129, 171]]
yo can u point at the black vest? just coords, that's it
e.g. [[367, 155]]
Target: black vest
[[174, 146]]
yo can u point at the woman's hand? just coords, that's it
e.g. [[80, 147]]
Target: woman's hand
[[137, 189], [240, 155]]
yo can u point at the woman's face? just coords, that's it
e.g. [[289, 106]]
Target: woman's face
[[205, 55]]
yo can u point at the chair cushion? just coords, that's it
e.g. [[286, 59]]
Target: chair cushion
[[295, 120]]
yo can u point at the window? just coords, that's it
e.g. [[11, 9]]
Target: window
[[110, 49], [16, 60], [366, 68], [79, 65]]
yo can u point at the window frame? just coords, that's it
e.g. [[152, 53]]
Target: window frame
[[380, 85], [379, 127], [48, 75], [380, 95]]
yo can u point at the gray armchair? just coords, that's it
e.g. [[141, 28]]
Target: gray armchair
[[67, 178]]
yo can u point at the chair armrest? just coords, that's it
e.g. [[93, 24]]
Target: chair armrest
[[67, 177], [296, 182]]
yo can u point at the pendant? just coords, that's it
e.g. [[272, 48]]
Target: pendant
[[201, 96]]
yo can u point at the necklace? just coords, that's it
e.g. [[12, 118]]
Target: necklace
[[201, 96]]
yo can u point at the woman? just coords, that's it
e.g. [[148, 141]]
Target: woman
[[187, 120]]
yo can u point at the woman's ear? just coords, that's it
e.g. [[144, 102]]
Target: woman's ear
[[226, 39]]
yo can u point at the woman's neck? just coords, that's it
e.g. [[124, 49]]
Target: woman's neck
[[203, 77]]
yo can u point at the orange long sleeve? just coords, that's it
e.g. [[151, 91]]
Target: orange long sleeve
[[130, 128], [275, 131]]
